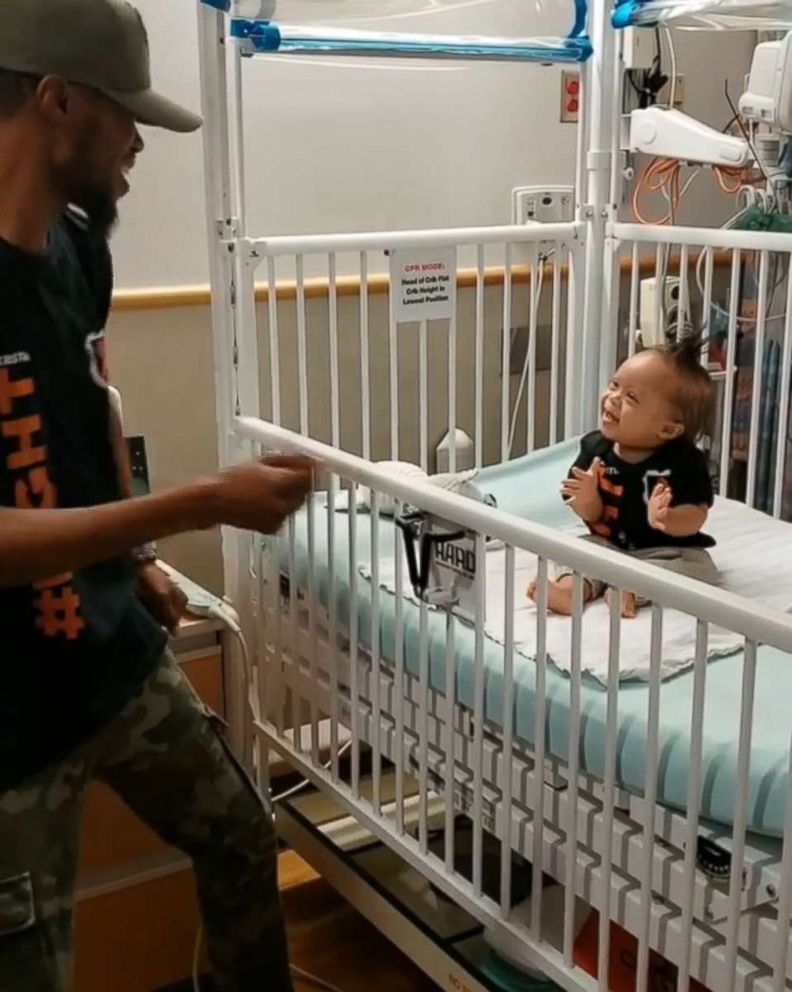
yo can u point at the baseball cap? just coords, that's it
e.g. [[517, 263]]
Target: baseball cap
[[97, 43]]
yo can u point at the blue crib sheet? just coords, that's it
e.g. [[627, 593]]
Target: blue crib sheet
[[529, 487]]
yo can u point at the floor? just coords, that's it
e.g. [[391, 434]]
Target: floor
[[331, 941]]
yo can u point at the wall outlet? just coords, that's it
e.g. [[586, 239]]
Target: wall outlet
[[543, 204], [570, 97], [664, 96]]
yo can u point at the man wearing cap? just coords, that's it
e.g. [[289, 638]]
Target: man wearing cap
[[87, 686]]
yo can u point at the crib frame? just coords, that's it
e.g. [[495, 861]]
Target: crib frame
[[629, 857]]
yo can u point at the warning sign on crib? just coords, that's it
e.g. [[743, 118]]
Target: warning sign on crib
[[423, 283]]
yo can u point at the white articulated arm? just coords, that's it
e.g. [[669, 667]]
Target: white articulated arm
[[672, 134]]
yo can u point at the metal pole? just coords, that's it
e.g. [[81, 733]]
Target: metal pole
[[221, 226], [595, 208]]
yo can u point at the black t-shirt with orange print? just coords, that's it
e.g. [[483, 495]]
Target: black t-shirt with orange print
[[625, 489], [74, 648]]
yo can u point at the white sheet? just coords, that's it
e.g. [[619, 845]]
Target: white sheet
[[753, 555]]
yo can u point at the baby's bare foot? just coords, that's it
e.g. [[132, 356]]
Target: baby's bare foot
[[559, 597], [629, 608]]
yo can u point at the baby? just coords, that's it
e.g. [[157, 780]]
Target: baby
[[639, 482]]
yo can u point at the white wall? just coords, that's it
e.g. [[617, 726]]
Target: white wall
[[353, 145]]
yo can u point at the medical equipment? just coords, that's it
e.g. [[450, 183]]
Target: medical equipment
[[672, 134], [661, 803], [660, 312], [768, 98]]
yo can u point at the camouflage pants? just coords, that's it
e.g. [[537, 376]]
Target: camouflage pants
[[164, 757]]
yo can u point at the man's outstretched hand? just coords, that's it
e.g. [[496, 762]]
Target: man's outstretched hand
[[260, 496]]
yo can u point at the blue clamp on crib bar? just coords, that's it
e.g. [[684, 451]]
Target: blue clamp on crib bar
[[262, 36], [223, 5], [623, 13]]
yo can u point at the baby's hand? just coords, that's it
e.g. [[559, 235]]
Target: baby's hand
[[659, 506], [581, 492]]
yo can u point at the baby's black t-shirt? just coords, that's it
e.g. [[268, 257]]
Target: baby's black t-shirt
[[625, 489]]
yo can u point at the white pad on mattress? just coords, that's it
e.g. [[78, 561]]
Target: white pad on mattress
[[752, 555]]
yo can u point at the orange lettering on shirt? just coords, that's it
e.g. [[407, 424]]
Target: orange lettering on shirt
[[37, 492], [56, 602], [609, 487], [28, 454], [59, 613], [10, 391]]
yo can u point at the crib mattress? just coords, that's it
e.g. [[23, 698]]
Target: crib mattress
[[529, 487]]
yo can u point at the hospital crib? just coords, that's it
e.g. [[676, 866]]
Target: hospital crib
[[636, 770]]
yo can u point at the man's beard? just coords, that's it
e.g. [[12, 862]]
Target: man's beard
[[100, 208], [88, 192]]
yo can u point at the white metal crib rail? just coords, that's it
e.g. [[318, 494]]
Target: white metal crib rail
[[331, 309], [587, 835]]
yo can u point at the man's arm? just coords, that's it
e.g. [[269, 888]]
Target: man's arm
[[37, 544]]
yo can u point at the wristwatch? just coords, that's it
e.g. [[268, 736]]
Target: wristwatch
[[145, 554]]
